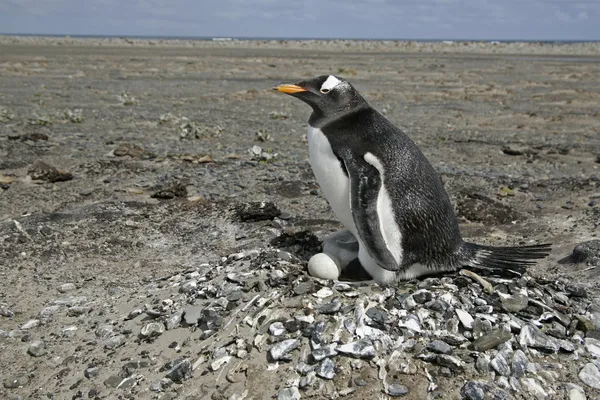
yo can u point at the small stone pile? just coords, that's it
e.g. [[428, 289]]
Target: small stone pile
[[478, 337]]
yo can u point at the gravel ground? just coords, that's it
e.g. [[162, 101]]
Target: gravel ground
[[150, 249]]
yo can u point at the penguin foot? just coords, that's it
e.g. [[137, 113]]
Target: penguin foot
[[342, 245], [354, 272]]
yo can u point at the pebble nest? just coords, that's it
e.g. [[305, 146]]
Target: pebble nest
[[504, 338]]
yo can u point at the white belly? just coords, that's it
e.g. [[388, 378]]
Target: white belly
[[336, 187], [330, 176]]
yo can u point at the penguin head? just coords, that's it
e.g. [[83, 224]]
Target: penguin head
[[328, 95]]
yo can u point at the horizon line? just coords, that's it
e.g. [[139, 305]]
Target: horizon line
[[275, 38]]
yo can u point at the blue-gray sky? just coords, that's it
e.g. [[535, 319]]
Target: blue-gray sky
[[394, 19]]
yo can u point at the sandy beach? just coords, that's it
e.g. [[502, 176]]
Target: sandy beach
[[127, 169]]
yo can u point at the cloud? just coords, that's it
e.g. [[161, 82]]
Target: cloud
[[476, 19]]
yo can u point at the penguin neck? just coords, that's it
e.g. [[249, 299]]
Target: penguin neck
[[319, 119]]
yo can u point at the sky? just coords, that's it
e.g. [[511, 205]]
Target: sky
[[363, 19]]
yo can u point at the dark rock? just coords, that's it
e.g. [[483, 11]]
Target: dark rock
[[257, 211], [512, 151], [210, 320], [179, 370], [303, 244], [422, 296], [91, 372], [490, 340], [584, 324], [438, 305], [378, 317], [454, 363], [475, 390], [41, 171], [396, 390], [588, 252], [170, 191], [330, 308], [440, 347], [132, 150]]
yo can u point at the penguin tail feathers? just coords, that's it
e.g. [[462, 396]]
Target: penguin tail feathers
[[504, 261]]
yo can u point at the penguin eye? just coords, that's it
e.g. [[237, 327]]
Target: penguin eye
[[324, 90]]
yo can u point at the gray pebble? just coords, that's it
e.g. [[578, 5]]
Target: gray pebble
[[291, 393], [104, 331], [440, 347], [323, 352], [476, 390], [15, 381], [482, 365], [66, 287], [277, 329], [180, 370], [118, 382], [192, 314], [330, 308], [281, 350], [590, 375], [519, 363], [307, 380], [76, 311], [114, 342], [362, 348], [396, 390], [515, 303], [91, 372], [153, 329], [531, 336], [188, 287], [490, 340], [500, 365], [454, 363], [326, 369], [49, 311], [173, 321], [37, 348], [32, 323]]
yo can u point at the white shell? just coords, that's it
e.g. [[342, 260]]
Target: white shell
[[324, 266]]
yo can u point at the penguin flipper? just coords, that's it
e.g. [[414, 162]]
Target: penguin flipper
[[366, 187]]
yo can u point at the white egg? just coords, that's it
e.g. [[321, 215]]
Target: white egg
[[324, 266]]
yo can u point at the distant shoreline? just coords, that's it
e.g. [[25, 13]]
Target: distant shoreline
[[575, 48]]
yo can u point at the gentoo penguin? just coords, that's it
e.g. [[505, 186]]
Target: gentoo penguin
[[385, 192]]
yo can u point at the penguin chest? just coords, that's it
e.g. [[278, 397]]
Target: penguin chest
[[331, 177]]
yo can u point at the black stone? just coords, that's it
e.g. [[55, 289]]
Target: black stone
[[440, 347], [257, 211]]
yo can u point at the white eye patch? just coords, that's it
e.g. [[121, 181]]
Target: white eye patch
[[330, 83]]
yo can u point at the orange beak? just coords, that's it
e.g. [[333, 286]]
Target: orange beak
[[286, 88]]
